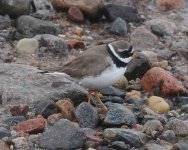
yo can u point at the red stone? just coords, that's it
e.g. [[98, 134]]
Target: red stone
[[54, 118], [164, 81], [21, 109], [170, 4], [75, 14], [31, 125], [75, 44]]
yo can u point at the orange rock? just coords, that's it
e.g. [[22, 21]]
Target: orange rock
[[75, 14], [75, 44], [170, 4], [163, 80], [67, 109], [31, 125]]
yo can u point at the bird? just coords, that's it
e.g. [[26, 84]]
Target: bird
[[96, 68]]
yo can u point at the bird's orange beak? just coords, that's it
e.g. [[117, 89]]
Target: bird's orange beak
[[134, 55]]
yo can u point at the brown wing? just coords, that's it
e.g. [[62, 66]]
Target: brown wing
[[85, 65]]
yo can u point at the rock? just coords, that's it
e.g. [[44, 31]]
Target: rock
[[154, 146], [184, 108], [152, 56], [118, 114], [30, 26], [134, 138], [119, 26], [31, 125], [120, 145], [112, 91], [20, 142], [180, 146], [75, 44], [88, 7], [12, 121], [127, 13], [180, 46], [54, 118], [27, 46], [179, 127], [74, 14], [181, 100], [46, 108], [21, 109], [163, 64], [66, 108], [169, 136], [138, 67], [135, 95], [170, 4], [4, 132], [163, 25], [62, 135], [5, 22], [167, 84], [4, 146], [26, 85], [15, 8], [53, 44], [158, 104], [152, 127], [113, 99], [143, 38], [86, 115], [121, 83]]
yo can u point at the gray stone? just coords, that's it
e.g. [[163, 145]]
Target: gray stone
[[180, 146], [53, 44], [157, 30], [114, 99], [154, 146], [14, 120], [24, 84], [120, 145], [152, 126], [179, 127], [5, 22], [143, 38], [138, 67], [127, 13], [181, 100], [118, 114], [4, 132], [87, 115], [46, 108], [184, 108], [27, 46], [62, 135], [134, 138], [112, 91], [30, 26], [119, 26], [169, 136], [15, 8]]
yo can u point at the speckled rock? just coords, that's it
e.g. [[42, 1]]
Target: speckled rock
[[30, 26], [118, 114], [62, 135], [86, 115], [27, 46], [134, 138], [4, 145], [159, 78]]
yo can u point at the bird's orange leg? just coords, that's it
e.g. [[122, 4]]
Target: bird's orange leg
[[101, 104]]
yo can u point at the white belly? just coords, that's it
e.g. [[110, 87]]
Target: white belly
[[107, 78]]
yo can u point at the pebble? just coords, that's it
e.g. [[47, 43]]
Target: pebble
[[112, 91], [62, 135], [13, 120], [4, 132], [54, 118], [118, 114], [158, 30], [4, 146], [152, 127], [169, 136], [31, 125], [158, 104], [113, 99], [67, 109], [20, 142], [184, 108], [27, 46], [21, 109], [154, 146], [170, 4], [180, 146], [121, 83], [181, 100], [120, 145], [46, 108], [133, 138], [136, 95], [119, 26], [75, 14], [86, 115]]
